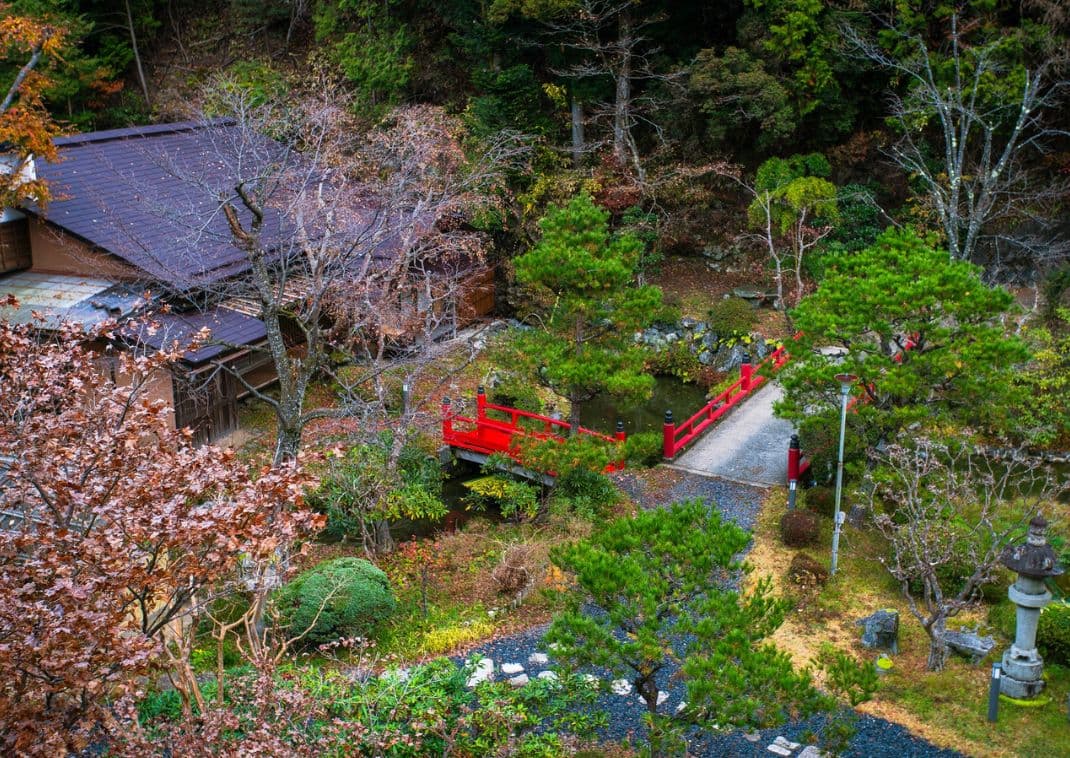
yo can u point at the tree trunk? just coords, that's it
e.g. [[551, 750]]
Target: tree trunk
[[137, 55], [575, 403], [578, 140], [623, 103], [384, 542], [938, 651], [287, 442]]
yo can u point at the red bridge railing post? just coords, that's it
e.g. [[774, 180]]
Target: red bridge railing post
[[746, 369], [620, 436], [794, 454], [481, 403], [668, 434], [447, 418]]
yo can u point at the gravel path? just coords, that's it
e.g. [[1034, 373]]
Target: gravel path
[[526, 655]]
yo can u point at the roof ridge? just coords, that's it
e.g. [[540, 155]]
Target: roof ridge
[[149, 130]]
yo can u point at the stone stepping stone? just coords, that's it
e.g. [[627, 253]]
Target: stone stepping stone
[[783, 746], [512, 668], [483, 672], [810, 752], [538, 659], [621, 687], [519, 680], [549, 676]]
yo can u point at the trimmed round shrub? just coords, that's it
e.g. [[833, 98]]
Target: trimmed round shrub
[[1053, 633], [353, 594], [798, 528]]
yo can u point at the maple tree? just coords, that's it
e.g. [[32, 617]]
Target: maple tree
[[25, 123], [114, 525]]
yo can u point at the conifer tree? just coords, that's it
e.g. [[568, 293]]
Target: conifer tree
[[584, 281]]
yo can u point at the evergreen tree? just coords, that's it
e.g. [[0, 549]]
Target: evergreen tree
[[661, 592], [924, 334], [584, 279]]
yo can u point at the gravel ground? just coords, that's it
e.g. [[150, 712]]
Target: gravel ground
[[875, 738]]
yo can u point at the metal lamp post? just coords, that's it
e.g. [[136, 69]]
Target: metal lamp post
[[846, 382]]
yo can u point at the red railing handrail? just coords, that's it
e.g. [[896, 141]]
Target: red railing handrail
[[750, 379], [516, 414]]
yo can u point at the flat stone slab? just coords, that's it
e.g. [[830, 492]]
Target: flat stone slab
[[549, 676], [621, 687], [483, 672], [512, 668], [749, 445], [519, 681], [538, 659]]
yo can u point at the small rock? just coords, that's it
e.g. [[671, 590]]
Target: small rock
[[751, 736], [810, 752], [512, 668], [680, 708], [778, 750], [621, 687], [662, 697], [705, 357], [549, 676], [483, 672], [538, 659], [519, 681], [969, 644], [785, 742]]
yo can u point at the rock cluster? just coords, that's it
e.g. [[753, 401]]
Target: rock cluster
[[722, 352]]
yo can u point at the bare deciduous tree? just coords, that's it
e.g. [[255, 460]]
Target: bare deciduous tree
[[972, 126], [948, 512], [356, 250]]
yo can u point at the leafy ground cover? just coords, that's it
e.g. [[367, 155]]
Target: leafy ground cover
[[947, 708]]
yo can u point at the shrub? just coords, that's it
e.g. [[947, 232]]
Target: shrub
[[515, 570], [806, 571], [643, 449], [1053, 633], [448, 638], [732, 316], [517, 500], [350, 596], [798, 528]]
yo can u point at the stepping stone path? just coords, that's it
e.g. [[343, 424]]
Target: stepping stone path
[[520, 680], [512, 668]]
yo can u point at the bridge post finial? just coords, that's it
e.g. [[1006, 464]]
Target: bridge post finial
[[746, 369], [794, 456], [668, 436], [481, 402]]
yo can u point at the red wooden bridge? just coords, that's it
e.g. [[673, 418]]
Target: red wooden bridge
[[500, 429], [676, 437]]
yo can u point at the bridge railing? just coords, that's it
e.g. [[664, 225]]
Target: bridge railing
[[676, 437], [489, 435]]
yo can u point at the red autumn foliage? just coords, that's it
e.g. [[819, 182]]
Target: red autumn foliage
[[112, 522]]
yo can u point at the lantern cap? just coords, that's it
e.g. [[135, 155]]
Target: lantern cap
[[1035, 557]]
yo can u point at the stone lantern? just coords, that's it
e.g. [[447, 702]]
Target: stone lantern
[[1034, 562]]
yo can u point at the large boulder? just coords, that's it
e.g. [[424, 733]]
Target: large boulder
[[970, 644], [880, 630]]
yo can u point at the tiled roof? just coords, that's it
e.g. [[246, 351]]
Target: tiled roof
[[230, 330], [58, 298], [149, 195]]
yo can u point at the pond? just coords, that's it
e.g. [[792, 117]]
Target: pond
[[670, 393]]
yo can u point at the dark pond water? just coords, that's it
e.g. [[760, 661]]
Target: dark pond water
[[601, 414]]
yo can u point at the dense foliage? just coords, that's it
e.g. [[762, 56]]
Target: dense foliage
[[343, 597]]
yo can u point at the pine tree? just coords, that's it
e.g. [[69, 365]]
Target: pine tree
[[585, 280]]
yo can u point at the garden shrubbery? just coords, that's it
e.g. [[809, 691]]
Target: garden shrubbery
[[1053, 633], [344, 597], [644, 449], [732, 316], [798, 528]]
